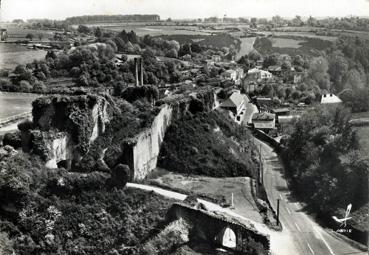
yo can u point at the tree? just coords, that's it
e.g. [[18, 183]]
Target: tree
[[29, 36], [254, 55], [270, 60], [121, 174], [338, 67], [25, 86], [353, 80], [98, 32], [83, 29], [318, 72], [172, 53]]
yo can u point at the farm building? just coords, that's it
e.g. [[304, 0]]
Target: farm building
[[264, 121], [330, 99]]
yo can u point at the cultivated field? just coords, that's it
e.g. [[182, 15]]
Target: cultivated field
[[12, 55]]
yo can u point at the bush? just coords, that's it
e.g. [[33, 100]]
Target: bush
[[120, 175], [13, 139]]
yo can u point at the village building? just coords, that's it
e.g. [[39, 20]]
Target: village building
[[264, 121], [330, 99], [216, 58], [258, 75], [281, 111], [264, 102], [235, 104], [275, 70]]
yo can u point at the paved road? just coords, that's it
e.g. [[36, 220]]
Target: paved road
[[303, 235]]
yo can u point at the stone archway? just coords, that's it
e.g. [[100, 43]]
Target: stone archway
[[229, 239]]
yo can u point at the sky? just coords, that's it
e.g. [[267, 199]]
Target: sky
[[182, 9]]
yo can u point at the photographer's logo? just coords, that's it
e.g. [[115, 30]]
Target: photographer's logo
[[342, 221]]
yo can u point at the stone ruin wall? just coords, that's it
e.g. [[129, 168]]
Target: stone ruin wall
[[58, 120], [142, 151]]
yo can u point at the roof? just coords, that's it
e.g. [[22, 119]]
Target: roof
[[263, 116], [281, 110], [264, 120], [330, 99], [264, 101], [274, 68], [235, 100]]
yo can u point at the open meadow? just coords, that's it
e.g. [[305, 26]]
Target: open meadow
[[15, 54]]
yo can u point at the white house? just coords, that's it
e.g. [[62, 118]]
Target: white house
[[330, 99], [257, 74]]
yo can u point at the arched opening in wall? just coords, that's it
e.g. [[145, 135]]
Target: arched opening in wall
[[63, 164], [229, 238]]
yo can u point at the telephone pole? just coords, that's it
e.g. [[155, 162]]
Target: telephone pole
[[278, 212]]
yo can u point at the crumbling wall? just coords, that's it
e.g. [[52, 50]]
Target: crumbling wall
[[65, 126], [141, 152]]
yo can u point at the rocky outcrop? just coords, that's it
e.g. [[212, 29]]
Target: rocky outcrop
[[65, 126]]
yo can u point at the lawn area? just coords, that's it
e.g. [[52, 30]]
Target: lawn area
[[214, 187]]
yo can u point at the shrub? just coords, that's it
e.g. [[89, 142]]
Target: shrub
[[13, 139]]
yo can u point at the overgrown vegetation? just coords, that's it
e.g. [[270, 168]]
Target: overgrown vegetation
[[326, 168], [47, 211], [208, 144]]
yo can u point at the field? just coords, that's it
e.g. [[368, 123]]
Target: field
[[291, 45], [286, 43], [15, 103], [14, 54], [19, 33], [157, 30], [247, 45]]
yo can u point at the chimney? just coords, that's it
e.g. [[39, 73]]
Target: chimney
[[141, 74], [136, 71]]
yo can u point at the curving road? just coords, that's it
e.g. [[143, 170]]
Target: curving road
[[303, 235]]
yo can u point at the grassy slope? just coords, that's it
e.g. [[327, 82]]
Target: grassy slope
[[205, 144]]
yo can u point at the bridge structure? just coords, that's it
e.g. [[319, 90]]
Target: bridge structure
[[219, 230]]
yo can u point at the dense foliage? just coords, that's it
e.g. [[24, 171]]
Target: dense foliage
[[47, 211], [208, 144], [324, 163]]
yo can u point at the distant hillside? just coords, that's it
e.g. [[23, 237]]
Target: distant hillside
[[112, 18]]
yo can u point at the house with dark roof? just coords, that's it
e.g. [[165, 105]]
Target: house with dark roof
[[264, 121]]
